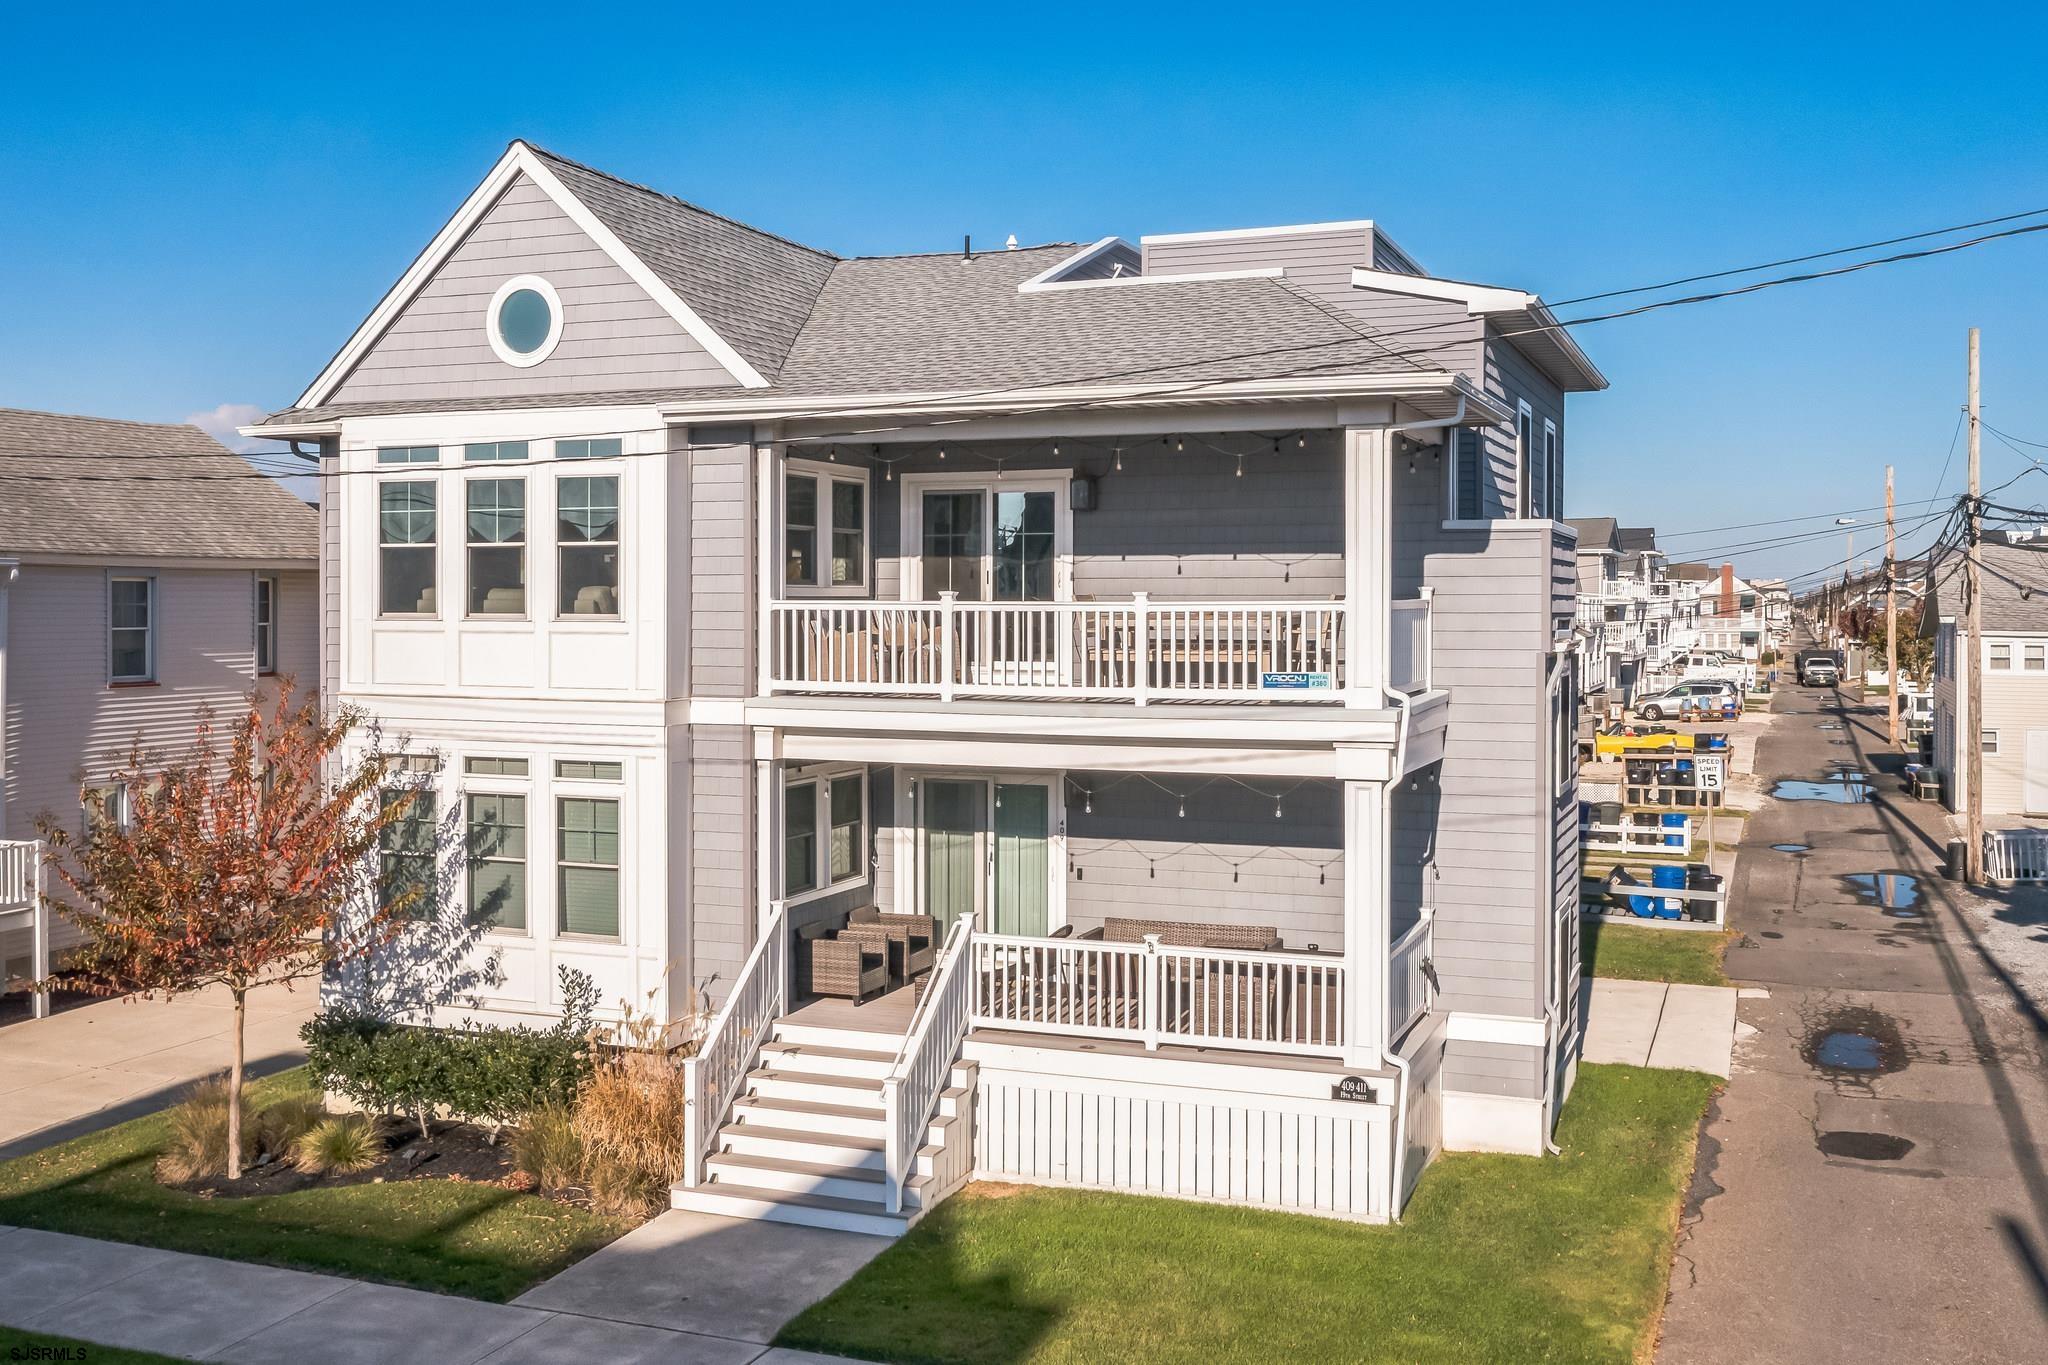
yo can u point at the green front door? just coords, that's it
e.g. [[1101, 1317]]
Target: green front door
[[953, 814], [1022, 862]]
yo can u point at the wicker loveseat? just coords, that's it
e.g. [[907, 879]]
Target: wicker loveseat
[[1180, 934]]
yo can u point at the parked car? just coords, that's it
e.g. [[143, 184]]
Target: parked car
[[1711, 694], [1819, 668]]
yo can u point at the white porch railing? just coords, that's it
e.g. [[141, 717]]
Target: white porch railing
[[911, 1094], [2016, 855], [759, 997], [1137, 651], [1408, 645], [1154, 993], [1407, 978], [21, 907]]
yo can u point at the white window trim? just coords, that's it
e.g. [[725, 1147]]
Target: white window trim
[[262, 628], [526, 543], [822, 777], [1988, 740], [910, 548], [1990, 656], [378, 544], [493, 784], [148, 675], [1452, 521], [1525, 435], [1553, 471], [559, 789], [554, 336], [821, 553], [586, 467]]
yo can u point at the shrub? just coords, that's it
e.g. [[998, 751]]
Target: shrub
[[477, 1072], [547, 1148], [631, 1112], [199, 1134], [280, 1126], [619, 1188], [344, 1144]]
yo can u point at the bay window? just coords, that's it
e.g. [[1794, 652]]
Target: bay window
[[406, 524], [497, 547], [587, 540]]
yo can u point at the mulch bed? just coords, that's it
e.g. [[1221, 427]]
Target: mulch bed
[[459, 1151]]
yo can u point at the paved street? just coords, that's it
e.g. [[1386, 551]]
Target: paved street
[[1871, 1184], [100, 1063]]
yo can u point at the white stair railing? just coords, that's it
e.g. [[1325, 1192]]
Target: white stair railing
[[21, 906], [911, 1094], [712, 1078]]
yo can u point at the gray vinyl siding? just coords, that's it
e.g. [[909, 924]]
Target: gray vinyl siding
[[721, 859], [1104, 266], [721, 554], [330, 569], [1494, 1069], [2015, 702], [614, 335], [1510, 377], [1176, 524]]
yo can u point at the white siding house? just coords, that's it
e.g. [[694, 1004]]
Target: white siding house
[[1194, 740], [128, 607], [2014, 727]]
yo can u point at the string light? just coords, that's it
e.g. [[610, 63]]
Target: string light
[[1240, 466], [1119, 459], [1183, 808]]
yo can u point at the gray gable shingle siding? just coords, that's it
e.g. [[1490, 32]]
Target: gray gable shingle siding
[[103, 487]]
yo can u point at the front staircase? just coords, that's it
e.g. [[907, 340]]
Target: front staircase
[[805, 1140]]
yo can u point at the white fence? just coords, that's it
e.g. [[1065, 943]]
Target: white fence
[[1408, 968], [21, 907], [1137, 651], [1408, 644], [911, 1094], [1633, 838], [759, 997], [1155, 993], [2016, 855]]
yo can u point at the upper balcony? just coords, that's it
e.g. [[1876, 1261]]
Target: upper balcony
[[1178, 568]]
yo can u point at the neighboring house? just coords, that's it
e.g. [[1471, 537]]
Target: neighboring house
[[2014, 727], [1065, 595], [146, 574]]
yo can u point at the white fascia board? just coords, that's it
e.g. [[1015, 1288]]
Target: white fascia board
[[285, 431], [1051, 274], [519, 160], [1269, 272], [1240, 234], [1479, 299], [787, 406]]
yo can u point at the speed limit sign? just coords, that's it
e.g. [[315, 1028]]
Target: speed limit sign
[[1711, 774]]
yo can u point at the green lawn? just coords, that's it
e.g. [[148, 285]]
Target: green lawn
[[1635, 952], [16, 1344], [1498, 1259], [458, 1238]]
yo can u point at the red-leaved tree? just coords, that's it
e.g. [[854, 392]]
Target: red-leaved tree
[[242, 861]]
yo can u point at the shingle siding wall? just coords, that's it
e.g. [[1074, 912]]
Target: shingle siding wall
[[721, 558], [330, 572], [721, 859], [614, 335], [2015, 702], [1508, 376]]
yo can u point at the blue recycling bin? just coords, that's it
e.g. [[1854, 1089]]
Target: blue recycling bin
[[1667, 879], [1674, 821]]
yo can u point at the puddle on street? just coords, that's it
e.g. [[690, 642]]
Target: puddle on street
[[1864, 1146], [1857, 1042], [1769, 933], [1792, 848], [1895, 893], [1843, 789]]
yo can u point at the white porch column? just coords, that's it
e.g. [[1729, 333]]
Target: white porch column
[[767, 749], [10, 569], [1366, 940], [1368, 562]]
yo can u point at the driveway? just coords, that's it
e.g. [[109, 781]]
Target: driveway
[[100, 1063], [1871, 1184]]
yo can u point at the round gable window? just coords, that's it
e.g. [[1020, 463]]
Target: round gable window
[[524, 321]]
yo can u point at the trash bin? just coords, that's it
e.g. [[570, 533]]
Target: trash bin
[[1705, 881], [1953, 859], [1674, 829], [1668, 879], [1607, 812]]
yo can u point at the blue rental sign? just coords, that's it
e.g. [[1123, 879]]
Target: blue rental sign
[[1296, 682]]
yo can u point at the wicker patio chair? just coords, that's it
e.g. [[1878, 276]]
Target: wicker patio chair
[[847, 967], [915, 937]]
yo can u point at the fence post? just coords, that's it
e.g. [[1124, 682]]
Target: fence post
[[946, 616], [39, 931], [1141, 633], [693, 1136], [892, 1148], [1148, 986]]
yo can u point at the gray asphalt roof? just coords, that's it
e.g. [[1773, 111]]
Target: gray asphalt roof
[[2015, 588], [1635, 539], [46, 509], [1595, 533]]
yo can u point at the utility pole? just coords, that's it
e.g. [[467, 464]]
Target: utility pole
[[1972, 739], [1891, 615]]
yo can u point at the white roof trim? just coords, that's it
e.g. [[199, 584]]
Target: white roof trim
[[518, 159], [1270, 272], [1479, 299], [1051, 274], [1237, 234]]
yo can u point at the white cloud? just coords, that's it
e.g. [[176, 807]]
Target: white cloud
[[221, 422]]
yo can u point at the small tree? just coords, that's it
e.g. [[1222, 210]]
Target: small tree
[[239, 863]]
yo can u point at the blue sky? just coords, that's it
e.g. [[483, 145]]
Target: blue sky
[[197, 215]]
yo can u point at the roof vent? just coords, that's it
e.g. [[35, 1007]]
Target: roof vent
[[1011, 244]]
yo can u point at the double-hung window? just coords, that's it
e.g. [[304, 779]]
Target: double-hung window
[[497, 860], [2036, 658], [1553, 463], [587, 540], [131, 629], [2001, 656], [824, 528], [405, 850], [406, 524], [266, 624], [1467, 494], [587, 858], [824, 832], [497, 547], [1528, 469]]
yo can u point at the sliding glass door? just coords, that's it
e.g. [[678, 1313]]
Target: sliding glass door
[[985, 845]]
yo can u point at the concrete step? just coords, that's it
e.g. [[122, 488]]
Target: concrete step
[[826, 1059], [782, 1206], [855, 1183], [851, 1092]]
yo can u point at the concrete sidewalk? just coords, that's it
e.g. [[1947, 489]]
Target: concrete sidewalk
[[1649, 1023], [112, 1060], [203, 1308]]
